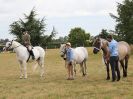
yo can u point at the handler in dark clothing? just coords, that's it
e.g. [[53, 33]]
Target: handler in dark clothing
[[26, 41], [113, 48]]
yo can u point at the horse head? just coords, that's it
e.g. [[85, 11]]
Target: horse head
[[99, 44], [11, 45], [62, 50], [8, 45]]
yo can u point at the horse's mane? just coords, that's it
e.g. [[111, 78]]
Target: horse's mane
[[104, 41], [16, 42]]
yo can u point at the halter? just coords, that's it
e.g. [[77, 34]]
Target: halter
[[100, 46], [64, 52], [97, 48], [11, 45]]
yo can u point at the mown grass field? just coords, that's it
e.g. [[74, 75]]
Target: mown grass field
[[55, 85]]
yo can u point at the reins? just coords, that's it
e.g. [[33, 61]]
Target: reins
[[11, 45], [17, 46]]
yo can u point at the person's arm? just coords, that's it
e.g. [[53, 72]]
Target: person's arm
[[29, 37], [110, 48], [71, 57]]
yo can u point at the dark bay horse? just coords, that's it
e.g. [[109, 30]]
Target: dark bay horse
[[123, 50]]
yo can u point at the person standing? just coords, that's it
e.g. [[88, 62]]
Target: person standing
[[26, 41], [69, 61], [114, 58]]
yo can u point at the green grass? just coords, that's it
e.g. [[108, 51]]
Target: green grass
[[55, 85]]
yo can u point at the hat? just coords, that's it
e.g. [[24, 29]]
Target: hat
[[68, 43]]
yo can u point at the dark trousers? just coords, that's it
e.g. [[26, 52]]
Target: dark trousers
[[31, 52], [115, 67]]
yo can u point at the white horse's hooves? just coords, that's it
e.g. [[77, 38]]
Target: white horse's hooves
[[25, 77], [21, 77]]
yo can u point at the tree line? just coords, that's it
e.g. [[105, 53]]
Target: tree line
[[77, 36], [37, 27]]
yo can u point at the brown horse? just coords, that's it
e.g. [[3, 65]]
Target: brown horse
[[123, 50]]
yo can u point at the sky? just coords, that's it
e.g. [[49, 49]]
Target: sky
[[90, 15]]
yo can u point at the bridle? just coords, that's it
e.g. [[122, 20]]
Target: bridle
[[99, 47], [64, 51], [11, 45]]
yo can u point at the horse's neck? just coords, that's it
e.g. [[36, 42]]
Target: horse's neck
[[105, 50], [18, 48], [105, 47], [15, 44]]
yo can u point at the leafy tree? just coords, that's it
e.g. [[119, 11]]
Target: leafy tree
[[3, 41], [124, 27], [50, 37], [62, 39], [104, 34], [35, 27], [78, 36]]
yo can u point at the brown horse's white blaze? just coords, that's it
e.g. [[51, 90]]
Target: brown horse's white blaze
[[123, 50]]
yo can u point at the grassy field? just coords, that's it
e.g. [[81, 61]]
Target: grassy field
[[55, 85]]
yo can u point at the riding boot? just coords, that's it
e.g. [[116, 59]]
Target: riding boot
[[32, 54]]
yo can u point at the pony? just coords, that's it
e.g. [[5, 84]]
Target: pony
[[23, 55], [80, 57], [123, 50]]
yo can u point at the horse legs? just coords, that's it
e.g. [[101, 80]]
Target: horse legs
[[82, 68], [107, 67], [72, 71], [74, 67], [126, 65], [41, 64], [25, 69], [85, 67], [117, 70], [122, 64], [21, 69]]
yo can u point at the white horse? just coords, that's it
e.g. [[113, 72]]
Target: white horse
[[23, 55], [80, 57]]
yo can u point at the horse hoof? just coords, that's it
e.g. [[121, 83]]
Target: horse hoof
[[20, 77], [84, 75], [25, 77], [68, 78], [124, 75], [108, 78], [71, 78], [118, 79]]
